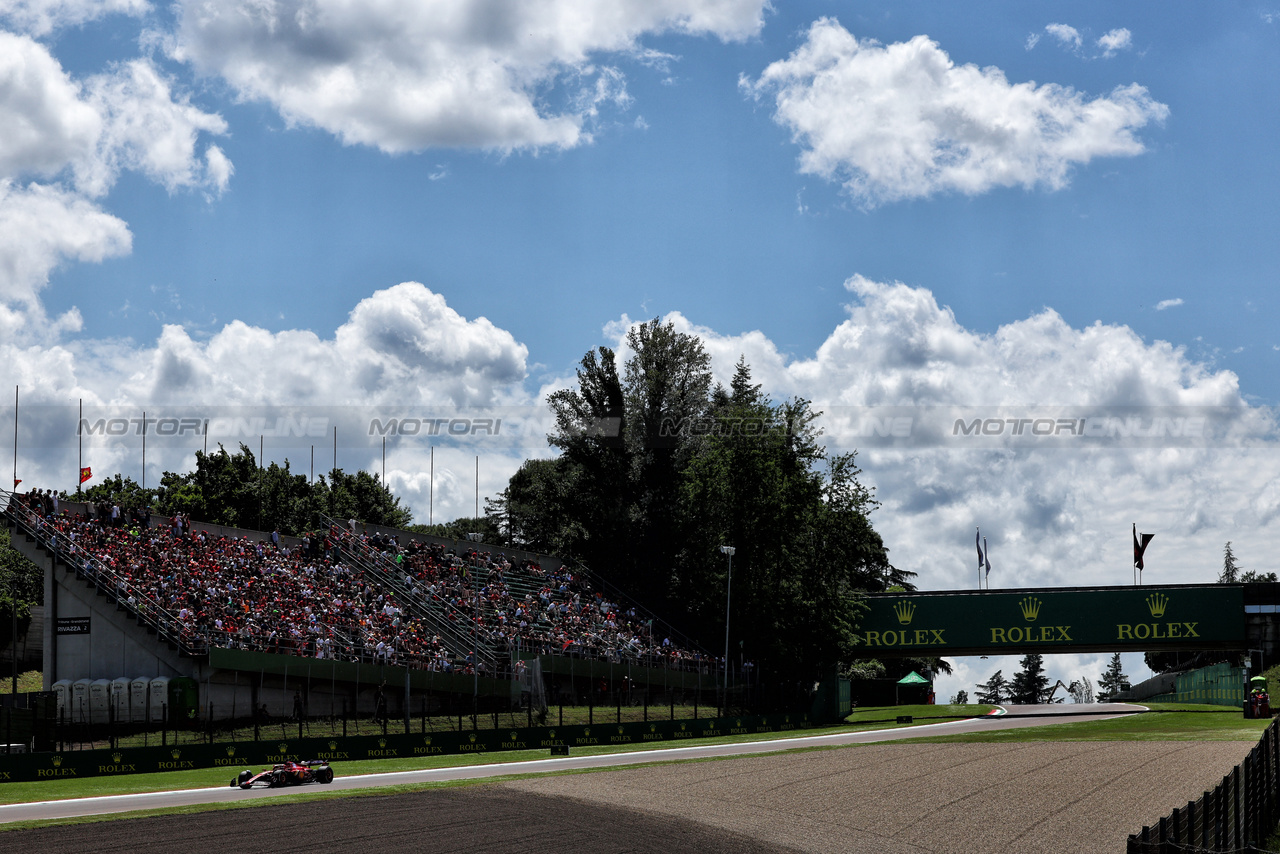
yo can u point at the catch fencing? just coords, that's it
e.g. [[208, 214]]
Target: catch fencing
[[1237, 815]]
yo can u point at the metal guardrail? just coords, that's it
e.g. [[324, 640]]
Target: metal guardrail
[[1236, 816], [432, 609]]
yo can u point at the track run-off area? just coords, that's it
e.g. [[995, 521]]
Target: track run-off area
[[884, 797]]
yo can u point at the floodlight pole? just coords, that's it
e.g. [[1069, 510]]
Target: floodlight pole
[[475, 636], [728, 551]]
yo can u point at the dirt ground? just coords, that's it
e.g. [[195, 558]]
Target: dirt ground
[[879, 799]]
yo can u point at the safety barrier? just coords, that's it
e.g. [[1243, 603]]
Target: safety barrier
[[1238, 815], [141, 760]]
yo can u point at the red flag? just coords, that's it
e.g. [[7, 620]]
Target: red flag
[[85, 473], [16, 481]]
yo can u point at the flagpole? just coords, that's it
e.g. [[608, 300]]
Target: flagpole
[[1135, 560], [15, 438], [986, 559], [80, 446]]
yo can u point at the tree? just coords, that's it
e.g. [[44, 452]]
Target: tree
[[1110, 681], [1030, 685], [960, 699], [995, 690], [1230, 568], [1250, 576], [21, 586], [1081, 690]]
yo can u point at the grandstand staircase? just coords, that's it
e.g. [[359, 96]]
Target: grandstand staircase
[[41, 544], [454, 627]]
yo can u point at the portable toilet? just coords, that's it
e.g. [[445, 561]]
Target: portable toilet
[[138, 699], [80, 701], [100, 701], [120, 700], [157, 698], [62, 693]]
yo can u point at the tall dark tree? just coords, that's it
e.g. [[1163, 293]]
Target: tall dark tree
[[1230, 567], [1111, 680], [1030, 685], [995, 690]]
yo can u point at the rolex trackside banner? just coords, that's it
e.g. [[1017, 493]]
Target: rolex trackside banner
[[1055, 620]]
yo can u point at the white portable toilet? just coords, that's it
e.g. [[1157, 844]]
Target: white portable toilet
[[62, 691], [158, 696], [120, 700], [80, 701], [138, 699], [100, 701]]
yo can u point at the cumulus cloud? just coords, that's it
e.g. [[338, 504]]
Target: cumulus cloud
[[401, 345], [405, 76], [40, 17], [65, 143], [903, 121], [1066, 35], [40, 227], [1168, 303], [1115, 40]]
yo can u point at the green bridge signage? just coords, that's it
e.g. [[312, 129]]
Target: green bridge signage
[[1070, 619]]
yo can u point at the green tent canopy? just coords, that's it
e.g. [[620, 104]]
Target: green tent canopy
[[913, 678]]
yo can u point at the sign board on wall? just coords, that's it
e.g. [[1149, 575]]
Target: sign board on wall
[[72, 626], [1072, 619]]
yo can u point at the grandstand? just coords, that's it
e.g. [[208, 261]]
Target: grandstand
[[162, 598]]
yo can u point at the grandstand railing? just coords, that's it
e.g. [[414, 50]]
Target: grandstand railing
[[1237, 815], [438, 614], [116, 588]]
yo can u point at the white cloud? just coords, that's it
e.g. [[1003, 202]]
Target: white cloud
[[1067, 36], [903, 121], [1168, 303], [1032, 41], [403, 345], [405, 76], [40, 17], [1115, 40], [75, 137], [40, 227]]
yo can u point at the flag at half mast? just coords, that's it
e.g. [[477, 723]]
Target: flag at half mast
[[1139, 545]]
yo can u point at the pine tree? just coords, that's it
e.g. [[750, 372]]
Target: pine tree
[[1109, 683], [995, 690], [1030, 685], [960, 699], [1230, 569]]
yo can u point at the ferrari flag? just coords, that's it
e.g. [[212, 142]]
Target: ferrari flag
[[85, 473]]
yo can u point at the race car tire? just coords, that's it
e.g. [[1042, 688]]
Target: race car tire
[[324, 775], [278, 780]]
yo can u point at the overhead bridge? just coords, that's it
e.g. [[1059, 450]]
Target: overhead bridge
[[1072, 619]]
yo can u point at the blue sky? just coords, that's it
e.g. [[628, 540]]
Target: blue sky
[[443, 206], [698, 211]]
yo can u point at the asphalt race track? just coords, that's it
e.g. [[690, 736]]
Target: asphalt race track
[[1079, 796]]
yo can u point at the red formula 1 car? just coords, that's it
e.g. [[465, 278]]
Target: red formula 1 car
[[287, 773]]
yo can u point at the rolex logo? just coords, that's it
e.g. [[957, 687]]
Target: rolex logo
[[587, 732], [175, 753], [905, 611], [620, 730], [551, 733], [231, 750], [738, 723], [382, 742], [472, 737], [333, 745], [284, 748], [427, 740], [57, 762], [653, 727], [117, 756], [1030, 608], [1156, 603], [514, 735], [684, 726]]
